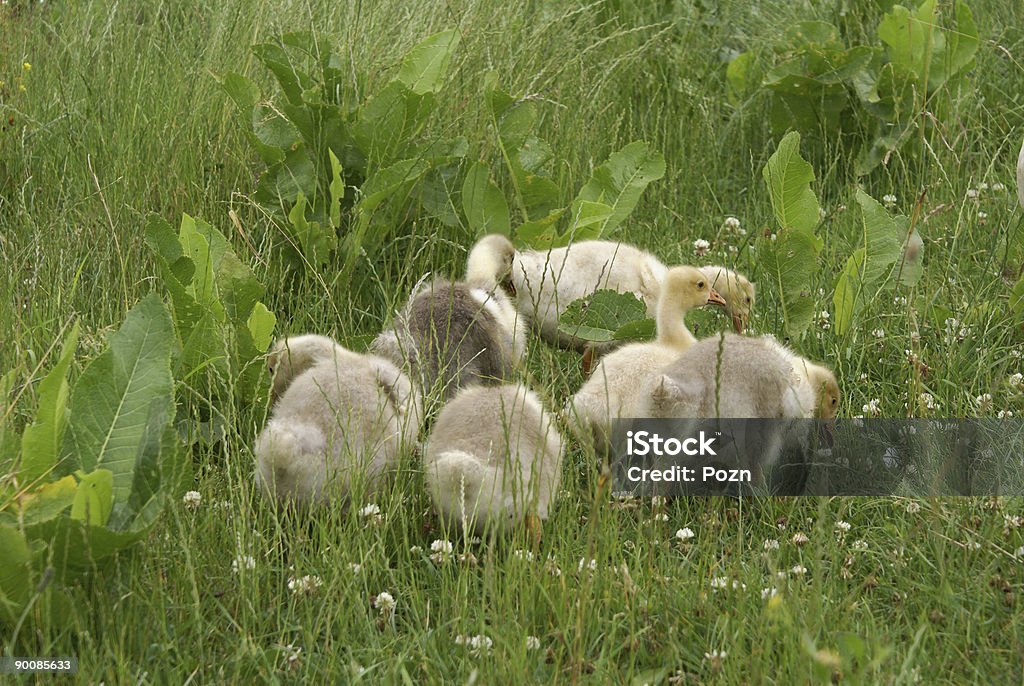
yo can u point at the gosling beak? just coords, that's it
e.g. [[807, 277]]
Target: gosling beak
[[826, 433], [714, 298], [508, 287], [739, 322]]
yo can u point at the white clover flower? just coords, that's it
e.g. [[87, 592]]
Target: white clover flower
[[889, 200], [385, 603], [984, 402], [1013, 521], [292, 653], [997, 186], [305, 585], [368, 511], [983, 186], [900, 301], [532, 643], [415, 550], [823, 320], [843, 526], [192, 499], [715, 655], [928, 400], [478, 645], [243, 562], [733, 224], [913, 507], [355, 567], [771, 544], [878, 333], [719, 582], [685, 534], [441, 551], [1016, 381], [738, 585], [859, 544], [584, 564], [1005, 414], [800, 538], [972, 545], [770, 592], [1020, 553], [551, 567], [982, 216], [701, 247], [873, 408], [972, 194], [524, 555], [798, 570], [660, 517], [774, 237]]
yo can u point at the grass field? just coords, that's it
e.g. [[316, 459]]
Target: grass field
[[112, 111]]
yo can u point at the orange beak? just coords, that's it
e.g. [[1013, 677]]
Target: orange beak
[[715, 298]]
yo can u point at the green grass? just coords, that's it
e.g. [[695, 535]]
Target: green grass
[[121, 116]]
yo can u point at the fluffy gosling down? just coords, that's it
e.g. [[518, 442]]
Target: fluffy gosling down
[[493, 459], [617, 386], [547, 282], [731, 376], [340, 421], [453, 334]]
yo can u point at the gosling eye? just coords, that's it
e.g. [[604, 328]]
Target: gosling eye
[[700, 284], [835, 400], [748, 299]]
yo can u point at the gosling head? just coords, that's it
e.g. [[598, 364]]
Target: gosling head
[[291, 356], [826, 390], [687, 288], [490, 262], [738, 292]]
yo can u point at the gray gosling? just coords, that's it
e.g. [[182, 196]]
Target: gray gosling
[[617, 386], [755, 378], [494, 460], [453, 334], [339, 422]]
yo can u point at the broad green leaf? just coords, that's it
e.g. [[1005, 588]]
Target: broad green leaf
[[484, 203], [290, 78], [240, 89], [742, 76], [336, 190], [197, 248], [315, 241], [844, 300], [639, 330], [868, 267], [94, 498], [540, 196], [47, 501], [392, 183], [261, 326], [124, 397], [789, 179], [539, 234], [789, 264], [425, 67], [587, 224], [42, 440], [599, 316], [620, 181], [917, 42], [15, 573]]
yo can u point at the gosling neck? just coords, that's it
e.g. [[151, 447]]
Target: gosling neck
[[671, 322], [483, 268]]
